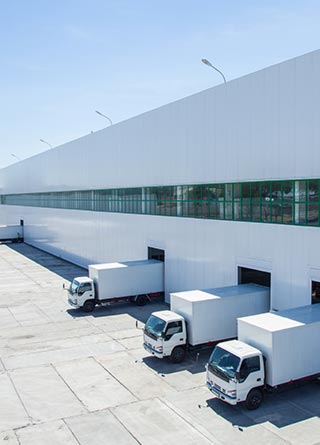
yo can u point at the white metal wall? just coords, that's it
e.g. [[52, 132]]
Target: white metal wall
[[199, 253], [262, 126]]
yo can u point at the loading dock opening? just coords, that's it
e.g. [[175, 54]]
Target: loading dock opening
[[155, 254], [246, 275], [315, 292]]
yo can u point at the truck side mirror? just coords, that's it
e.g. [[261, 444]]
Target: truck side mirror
[[64, 286], [237, 376], [139, 327]]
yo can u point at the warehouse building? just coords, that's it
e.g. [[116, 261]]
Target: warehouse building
[[222, 185]]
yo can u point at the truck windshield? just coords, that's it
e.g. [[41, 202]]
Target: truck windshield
[[74, 287], [223, 363], [154, 326]]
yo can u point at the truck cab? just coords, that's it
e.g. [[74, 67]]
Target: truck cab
[[82, 293], [236, 373], [165, 335]]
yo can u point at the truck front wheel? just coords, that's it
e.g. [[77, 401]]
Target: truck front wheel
[[88, 306], [141, 300], [178, 354], [254, 399]]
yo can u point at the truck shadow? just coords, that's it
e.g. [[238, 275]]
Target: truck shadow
[[139, 313], [279, 409], [194, 363]]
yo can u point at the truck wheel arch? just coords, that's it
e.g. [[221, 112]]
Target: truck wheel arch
[[178, 354], [88, 306], [254, 398], [141, 300]]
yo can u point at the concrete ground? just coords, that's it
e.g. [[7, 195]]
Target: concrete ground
[[72, 378]]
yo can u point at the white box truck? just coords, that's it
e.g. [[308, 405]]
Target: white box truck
[[201, 317], [272, 350], [137, 281]]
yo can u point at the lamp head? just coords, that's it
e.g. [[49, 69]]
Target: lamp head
[[206, 62]]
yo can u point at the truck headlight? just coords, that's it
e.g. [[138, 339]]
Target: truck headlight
[[159, 348], [232, 393]]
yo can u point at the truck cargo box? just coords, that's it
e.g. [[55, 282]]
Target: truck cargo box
[[212, 314], [114, 280], [289, 340]]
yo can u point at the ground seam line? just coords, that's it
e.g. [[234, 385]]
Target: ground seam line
[[19, 397], [70, 429], [124, 426], [64, 381], [197, 428], [115, 378]]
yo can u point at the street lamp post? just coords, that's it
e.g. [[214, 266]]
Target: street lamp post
[[103, 115], [45, 142], [206, 62]]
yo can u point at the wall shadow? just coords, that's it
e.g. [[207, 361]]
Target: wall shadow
[[57, 265], [282, 409]]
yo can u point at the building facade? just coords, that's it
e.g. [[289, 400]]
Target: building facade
[[224, 184]]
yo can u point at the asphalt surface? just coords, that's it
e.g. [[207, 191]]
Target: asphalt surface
[[71, 378]]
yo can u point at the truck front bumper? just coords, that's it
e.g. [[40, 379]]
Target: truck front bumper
[[221, 395], [152, 351], [72, 303]]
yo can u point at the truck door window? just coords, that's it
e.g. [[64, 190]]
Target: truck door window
[[249, 365], [174, 327], [84, 288]]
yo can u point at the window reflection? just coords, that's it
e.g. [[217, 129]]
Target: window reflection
[[256, 210], [279, 202], [313, 214], [288, 191], [313, 190]]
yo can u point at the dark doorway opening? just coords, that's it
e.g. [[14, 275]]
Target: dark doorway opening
[[155, 254], [246, 275], [315, 292]]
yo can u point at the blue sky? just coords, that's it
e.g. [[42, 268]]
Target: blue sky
[[61, 60]]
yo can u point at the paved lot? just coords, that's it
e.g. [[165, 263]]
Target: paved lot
[[69, 378]]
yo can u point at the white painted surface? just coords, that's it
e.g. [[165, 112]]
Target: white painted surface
[[211, 314], [199, 253], [127, 278], [288, 340], [10, 231], [262, 126]]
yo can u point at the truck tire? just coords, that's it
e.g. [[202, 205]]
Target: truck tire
[[178, 354], [141, 300], [254, 399], [88, 306]]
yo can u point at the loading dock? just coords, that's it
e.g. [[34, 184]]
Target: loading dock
[[247, 275], [315, 292], [156, 254]]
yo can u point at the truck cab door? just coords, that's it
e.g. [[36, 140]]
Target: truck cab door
[[250, 375], [174, 335], [85, 292]]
